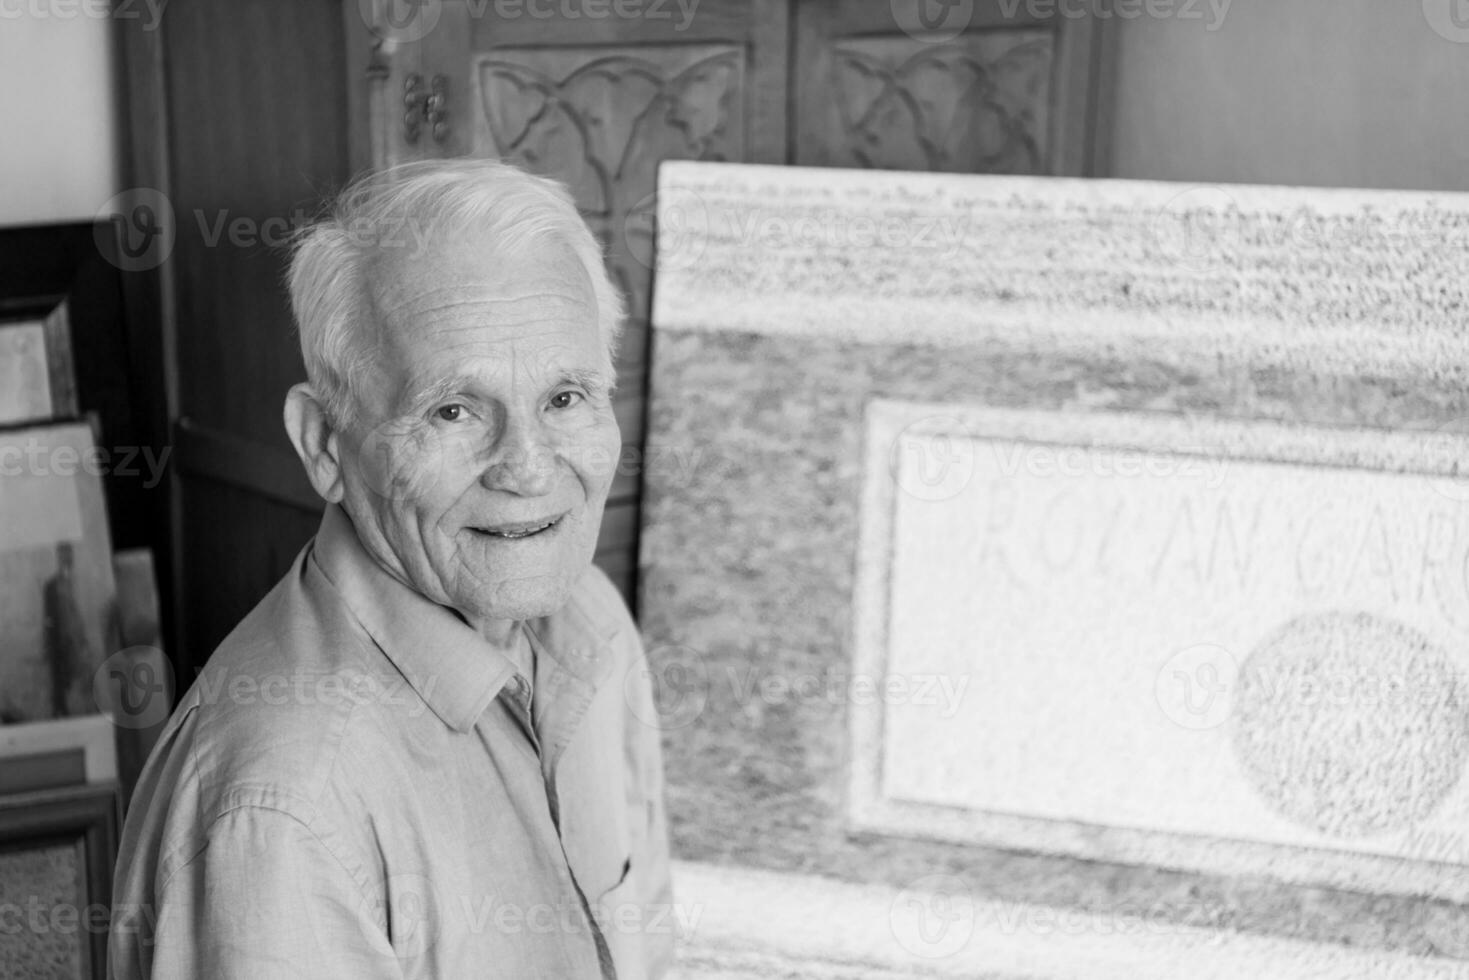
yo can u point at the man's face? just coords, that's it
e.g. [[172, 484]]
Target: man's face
[[489, 418]]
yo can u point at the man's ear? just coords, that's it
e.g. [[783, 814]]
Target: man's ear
[[315, 440]]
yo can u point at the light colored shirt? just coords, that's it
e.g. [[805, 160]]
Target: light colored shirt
[[358, 785]]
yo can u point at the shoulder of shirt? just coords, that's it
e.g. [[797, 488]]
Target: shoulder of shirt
[[269, 713]]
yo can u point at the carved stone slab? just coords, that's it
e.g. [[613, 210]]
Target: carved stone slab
[[994, 523], [1192, 642]]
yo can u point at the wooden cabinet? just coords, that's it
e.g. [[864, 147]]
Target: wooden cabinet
[[256, 109]]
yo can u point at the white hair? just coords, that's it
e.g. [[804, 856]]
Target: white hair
[[403, 207]]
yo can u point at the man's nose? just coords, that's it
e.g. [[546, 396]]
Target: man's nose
[[522, 461]]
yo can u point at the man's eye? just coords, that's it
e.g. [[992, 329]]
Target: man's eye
[[451, 413], [565, 399]]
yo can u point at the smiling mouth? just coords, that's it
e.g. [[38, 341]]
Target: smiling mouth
[[524, 529]]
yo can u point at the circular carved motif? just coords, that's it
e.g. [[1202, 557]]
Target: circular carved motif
[[1351, 724]]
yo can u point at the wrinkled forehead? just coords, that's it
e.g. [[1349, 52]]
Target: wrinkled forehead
[[464, 281]]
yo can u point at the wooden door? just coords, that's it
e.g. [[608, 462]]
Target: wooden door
[[235, 117]]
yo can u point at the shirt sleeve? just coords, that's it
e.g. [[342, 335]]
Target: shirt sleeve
[[267, 899]]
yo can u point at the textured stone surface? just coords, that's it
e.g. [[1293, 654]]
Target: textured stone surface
[[1113, 623], [743, 924], [1064, 298]]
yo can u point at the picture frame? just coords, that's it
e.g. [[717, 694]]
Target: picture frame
[[58, 593], [57, 849], [37, 372], [58, 752]]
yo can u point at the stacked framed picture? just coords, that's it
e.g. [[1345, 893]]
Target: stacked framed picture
[[60, 800], [57, 591]]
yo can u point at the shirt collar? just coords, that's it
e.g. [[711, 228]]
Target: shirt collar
[[452, 668]]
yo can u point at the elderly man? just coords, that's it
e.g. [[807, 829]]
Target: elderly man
[[431, 750]]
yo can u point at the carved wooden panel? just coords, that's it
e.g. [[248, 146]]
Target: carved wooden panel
[[979, 104], [1004, 88], [601, 119]]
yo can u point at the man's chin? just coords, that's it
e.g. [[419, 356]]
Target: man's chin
[[521, 600]]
